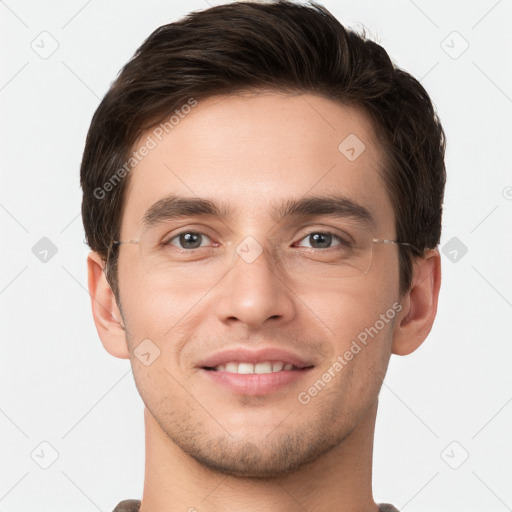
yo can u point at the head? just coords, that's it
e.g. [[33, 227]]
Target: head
[[248, 106]]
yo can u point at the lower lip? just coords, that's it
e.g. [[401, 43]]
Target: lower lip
[[254, 384]]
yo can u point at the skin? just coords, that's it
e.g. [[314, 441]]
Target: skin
[[206, 447]]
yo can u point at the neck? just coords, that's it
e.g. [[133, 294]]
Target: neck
[[338, 481]]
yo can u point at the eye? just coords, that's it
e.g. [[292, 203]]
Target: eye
[[188, 240], [324, 240]]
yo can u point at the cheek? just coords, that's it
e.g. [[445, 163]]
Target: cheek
[[154, 305], [359, 316], [352, 305]]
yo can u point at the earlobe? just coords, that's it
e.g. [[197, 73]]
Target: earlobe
[[420, 305], [105, 311]]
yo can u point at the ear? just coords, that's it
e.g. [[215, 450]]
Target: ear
[[105, 310], [419, 305]]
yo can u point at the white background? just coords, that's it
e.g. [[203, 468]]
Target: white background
[[57, 383]]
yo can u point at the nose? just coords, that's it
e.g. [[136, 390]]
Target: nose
[[254, 292]]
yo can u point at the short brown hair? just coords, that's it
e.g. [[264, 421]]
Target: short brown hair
[[276, 45]]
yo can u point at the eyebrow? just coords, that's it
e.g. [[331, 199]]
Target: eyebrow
[[178, 207]]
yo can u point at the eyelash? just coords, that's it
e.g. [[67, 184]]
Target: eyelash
[[343, 242]]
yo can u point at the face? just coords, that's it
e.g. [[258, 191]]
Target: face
[[260, 280]]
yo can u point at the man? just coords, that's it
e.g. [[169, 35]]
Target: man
[[262, 197]]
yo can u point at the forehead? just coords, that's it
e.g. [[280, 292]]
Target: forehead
[[255, 151]]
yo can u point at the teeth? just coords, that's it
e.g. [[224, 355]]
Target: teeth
[[245, 368], [230, 367], [248, 368], [263, 368], [277, 367]]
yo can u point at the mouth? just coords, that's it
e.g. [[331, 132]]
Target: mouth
[[245, 371], [264, 367], [264, 378]]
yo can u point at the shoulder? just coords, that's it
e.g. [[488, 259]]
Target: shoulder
[[386, 507], [128, 506]]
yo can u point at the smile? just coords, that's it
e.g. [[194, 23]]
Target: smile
[[249, 368], [254, 380]]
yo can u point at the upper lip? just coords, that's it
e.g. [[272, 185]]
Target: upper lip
[[245, 355]]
